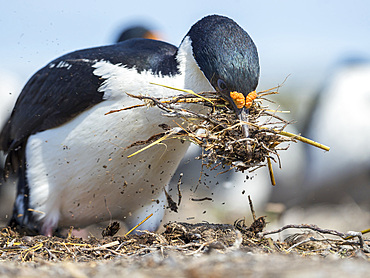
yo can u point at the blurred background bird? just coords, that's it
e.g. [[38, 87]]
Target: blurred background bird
[[138, 31]]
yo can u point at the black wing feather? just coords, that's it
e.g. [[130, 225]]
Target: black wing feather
[[49, 99]]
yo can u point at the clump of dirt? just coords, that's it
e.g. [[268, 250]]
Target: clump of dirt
[[219, 132], [224, 143]]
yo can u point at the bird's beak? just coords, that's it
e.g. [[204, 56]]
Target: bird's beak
[[243, 117], [152, 35]]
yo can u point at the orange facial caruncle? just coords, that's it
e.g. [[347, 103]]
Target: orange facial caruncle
[[240, 101]]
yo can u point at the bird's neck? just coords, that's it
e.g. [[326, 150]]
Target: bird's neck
[[194, 79]]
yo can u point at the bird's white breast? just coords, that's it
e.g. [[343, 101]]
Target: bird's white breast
[[79, 172]]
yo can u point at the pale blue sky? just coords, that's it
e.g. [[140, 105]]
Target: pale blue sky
[[300, 38]]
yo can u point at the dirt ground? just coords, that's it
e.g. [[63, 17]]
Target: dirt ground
[[201, 249], [186, 250], [236, 264]]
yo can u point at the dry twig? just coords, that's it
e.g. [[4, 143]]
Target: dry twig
[[343, 236]]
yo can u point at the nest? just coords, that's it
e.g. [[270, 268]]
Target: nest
[[184, 238], [223, 142], [219, 132]]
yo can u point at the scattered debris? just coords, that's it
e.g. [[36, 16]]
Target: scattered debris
[[256, 227], [171, 204], [178, 189], [111, 229], [201, 199], [252, 208]]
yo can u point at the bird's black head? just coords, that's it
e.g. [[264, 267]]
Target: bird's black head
[[227, 56]]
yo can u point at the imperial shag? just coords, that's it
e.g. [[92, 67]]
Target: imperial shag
[[71, 158]]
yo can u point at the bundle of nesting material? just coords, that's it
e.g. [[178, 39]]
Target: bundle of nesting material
[[219, 131]]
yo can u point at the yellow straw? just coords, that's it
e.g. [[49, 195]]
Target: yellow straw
[[295, 136], [139, 224], [272, 178], [151, 145], [183, 90]]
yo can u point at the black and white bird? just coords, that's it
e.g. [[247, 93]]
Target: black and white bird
[[343, 173], [71, 158]]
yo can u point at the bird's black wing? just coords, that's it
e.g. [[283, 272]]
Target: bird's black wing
[[67, 86]]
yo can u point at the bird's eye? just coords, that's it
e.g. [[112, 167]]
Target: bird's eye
[[221, 85]]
